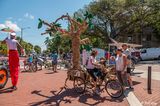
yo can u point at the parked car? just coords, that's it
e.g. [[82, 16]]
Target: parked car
[[135, 55], [150, 54]]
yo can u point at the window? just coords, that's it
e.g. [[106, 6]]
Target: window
[[129, 38], [149, 37], [144, 51]]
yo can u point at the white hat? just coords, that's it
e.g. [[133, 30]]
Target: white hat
[[13, 34]]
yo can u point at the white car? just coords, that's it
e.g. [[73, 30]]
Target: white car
[[150, 53]]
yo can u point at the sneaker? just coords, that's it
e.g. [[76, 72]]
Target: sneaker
[[131, 88], [14, 88]]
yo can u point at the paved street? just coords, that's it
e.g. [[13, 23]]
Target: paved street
[[41, 88], [142, 71]]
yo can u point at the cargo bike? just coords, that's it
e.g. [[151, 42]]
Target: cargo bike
[[82, 81]]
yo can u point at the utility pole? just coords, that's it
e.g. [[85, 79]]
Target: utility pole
[[22, 29]]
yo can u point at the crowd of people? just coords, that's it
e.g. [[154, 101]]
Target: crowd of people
[[122, 63]]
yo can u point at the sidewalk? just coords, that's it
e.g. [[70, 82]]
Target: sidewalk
[[140, 91]]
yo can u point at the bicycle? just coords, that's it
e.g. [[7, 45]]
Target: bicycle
[[31, 67], [4, 73], [109, 83]]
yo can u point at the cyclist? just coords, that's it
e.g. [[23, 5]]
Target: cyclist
[[90, 65]]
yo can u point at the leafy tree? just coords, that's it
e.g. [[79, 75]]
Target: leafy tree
[[122, 17], [37, 49]]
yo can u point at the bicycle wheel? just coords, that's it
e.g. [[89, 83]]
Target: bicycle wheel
[[3, 78], [26, 67], [79, 85], [114, 89], [34, 67], [59, 66]]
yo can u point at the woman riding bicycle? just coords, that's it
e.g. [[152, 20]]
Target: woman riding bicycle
[[90, 65]]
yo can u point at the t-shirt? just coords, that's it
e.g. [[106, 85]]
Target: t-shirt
[[54, 57], [90, 61], [128, 54], [120, 62], [12, 44], [30, 59]]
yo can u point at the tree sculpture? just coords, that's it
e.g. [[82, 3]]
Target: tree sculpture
[[76, 26]]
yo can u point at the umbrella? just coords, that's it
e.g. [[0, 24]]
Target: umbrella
[[7, 30]]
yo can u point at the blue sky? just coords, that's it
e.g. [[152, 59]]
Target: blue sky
[[25, 13]]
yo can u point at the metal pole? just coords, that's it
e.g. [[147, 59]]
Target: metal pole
[[149, 80], [21, 35]]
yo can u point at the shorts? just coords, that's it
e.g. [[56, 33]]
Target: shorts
[[91, 73], [128, 70], [54, 62]]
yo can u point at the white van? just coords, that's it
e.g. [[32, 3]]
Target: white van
[[150, 53]]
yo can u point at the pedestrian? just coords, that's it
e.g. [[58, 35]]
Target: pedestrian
[[121, 65], [127, 52], [54, 57], [30, 61], [13, 44], [112, 60]]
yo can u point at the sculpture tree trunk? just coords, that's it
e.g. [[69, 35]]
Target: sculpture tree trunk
[[76, 52]]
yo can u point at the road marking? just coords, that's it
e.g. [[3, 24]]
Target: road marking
[[132, 99]]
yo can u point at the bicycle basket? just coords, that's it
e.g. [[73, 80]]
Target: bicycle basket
[[71, 74]]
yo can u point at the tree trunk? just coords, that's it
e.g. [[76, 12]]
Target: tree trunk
[[76, 52]]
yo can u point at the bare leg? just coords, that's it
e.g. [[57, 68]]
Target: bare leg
[[129, 80]]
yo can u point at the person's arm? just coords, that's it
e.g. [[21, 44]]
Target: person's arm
[[21, 48], [93, 62], [125, 62], [19, 45], [4, 41]]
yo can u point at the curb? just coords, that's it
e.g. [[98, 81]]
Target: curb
[[131, 98]]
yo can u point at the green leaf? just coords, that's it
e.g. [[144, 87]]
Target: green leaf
[[40, 23], [86, 14], [58, 25], [90, 16], [79, 20]]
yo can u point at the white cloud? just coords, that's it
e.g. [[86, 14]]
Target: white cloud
[[30, 16], [2, 26], [11, 25], [10, 18]]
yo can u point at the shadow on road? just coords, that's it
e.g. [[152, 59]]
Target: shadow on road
[[69, 95], [7, 90], [56, 99], [135, 73]]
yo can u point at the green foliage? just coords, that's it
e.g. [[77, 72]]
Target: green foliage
[[37, 49], [57, 43], [121, 17], [27, 46], [40, 23]]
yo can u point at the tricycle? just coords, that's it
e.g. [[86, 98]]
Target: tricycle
[[4, 73]]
